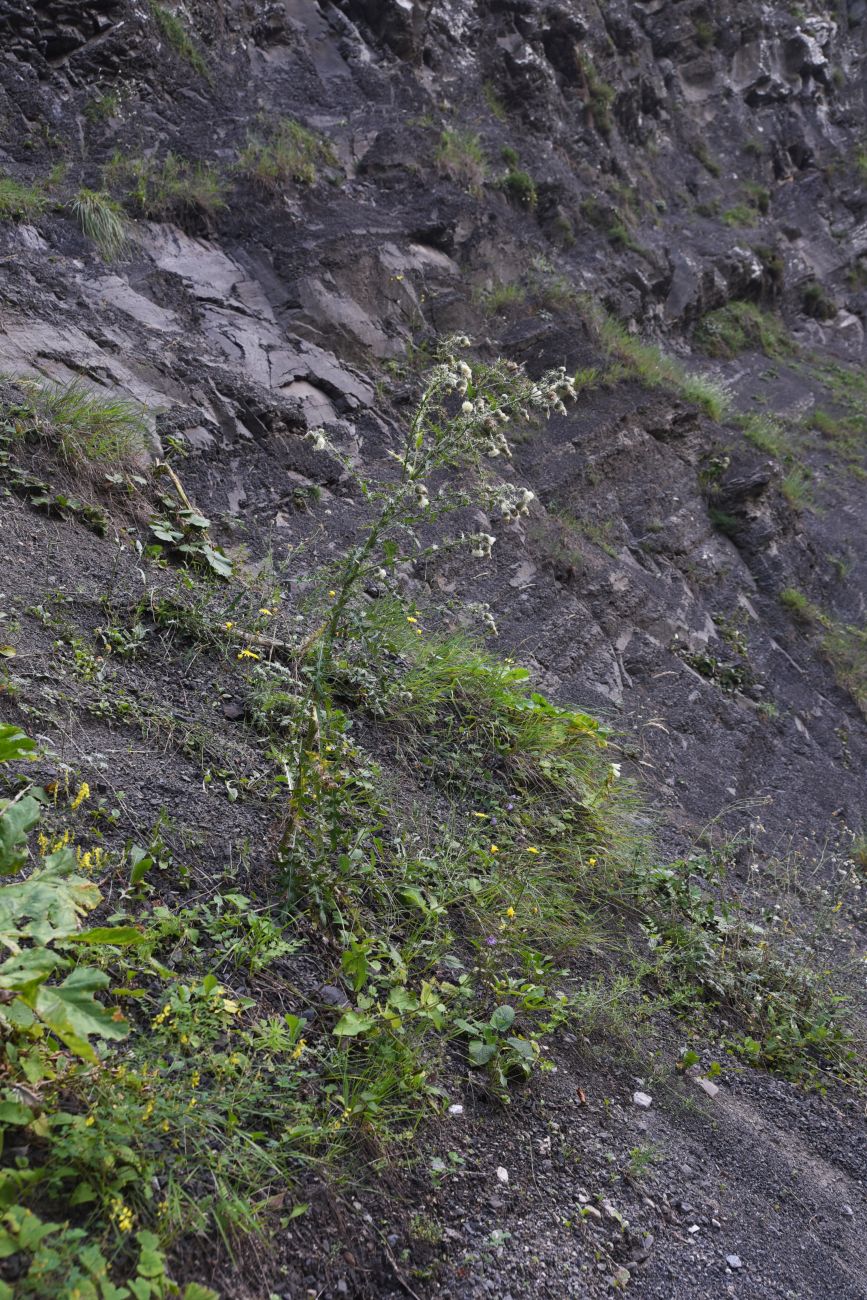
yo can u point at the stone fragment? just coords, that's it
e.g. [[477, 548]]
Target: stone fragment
[[642, 1099]]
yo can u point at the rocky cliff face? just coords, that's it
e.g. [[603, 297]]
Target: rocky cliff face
[[524, 173]]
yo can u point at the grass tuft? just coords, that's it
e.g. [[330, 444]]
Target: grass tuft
[[102, 220], [460, 156], [87, 427], [176, 34], [20, 202], [291, 152]]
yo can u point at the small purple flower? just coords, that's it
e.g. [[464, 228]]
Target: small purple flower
[[491, 941], [493, 821], [509, 806]]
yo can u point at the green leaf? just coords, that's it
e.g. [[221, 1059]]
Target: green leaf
[[16, 820], [25, 971], [7, 652], [352, 1023], [14, 745], [12, 1112], [502, 1018], [402, 999], [71, 1011], [220, 563], [481, 1053], [297, 1210], [122, 935], [195, 1291], [523, 1047], [141, 862]]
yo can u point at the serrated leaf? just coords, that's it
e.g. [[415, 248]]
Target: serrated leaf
[[71, 1011], [16, 820], [53, 898], [25, 971], [12, 1112]]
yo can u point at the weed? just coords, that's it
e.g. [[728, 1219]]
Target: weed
[[710, 164], [460, 156], [493, 101], [817, 303], [291, 152], [19, 202], [174, 189], [500, 298], [739, 215], [652, 366], [739, 326], [103, 107], [843, 644], [175, 31], [86, 427], [597, 94], [102, 219], [520, 187]]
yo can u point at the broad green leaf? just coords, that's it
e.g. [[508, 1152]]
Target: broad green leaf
[[523, 1047], [141, 863], [14, 745], [402, 999], [16, 820], [25, 971], [53, 897], [12, 1112], [502, 1018], [7, 652], [121, 935], [481, 1053], [71, 1011], [352, 1023], [195, 1291]]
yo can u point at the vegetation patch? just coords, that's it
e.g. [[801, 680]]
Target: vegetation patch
[[20, 202], [102, 219], [84, 427], [843, 644], [461, 156], [176, 32], [742, 326], [287, 152], [171, 189]]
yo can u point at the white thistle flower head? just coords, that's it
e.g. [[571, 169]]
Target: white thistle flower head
[[318, 438], [465, 370], [614, 769], [482, 544], [467, 408]]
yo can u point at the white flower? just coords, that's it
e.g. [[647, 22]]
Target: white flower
[[465, 370], [467, 408], [614, 770], [482, 544], [317, 437]]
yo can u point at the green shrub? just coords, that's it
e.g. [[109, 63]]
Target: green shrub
[[20, 202], [291, 152], [174, 189], [598, 95], [102, 219], [739, 215], [520, 187]]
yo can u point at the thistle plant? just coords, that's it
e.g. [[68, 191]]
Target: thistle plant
[[460, 425]]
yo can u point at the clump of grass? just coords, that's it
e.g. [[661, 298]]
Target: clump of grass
[[102, 219], [86, 427], [174, 189], [20, 202], [500, 298], [493, 101], [176, 34], [842, 644], [739, 215], [520, 187], [611, 221], [291, 152], [710, 164], [817, 303], [649, 364], [598, 95], [102, 107], [765, 432], [739, 326], [460, 155]]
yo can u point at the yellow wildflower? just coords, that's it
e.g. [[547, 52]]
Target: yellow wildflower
[[332, 594], [483, 815], [82, 794], [195, 1079], [89, 1122], [591, 862], [530, 849], [510, 912], [148, 1110], [266, 612], [248, 654], [494, 848], [299, 1049], [411, 620], [228, 626]]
